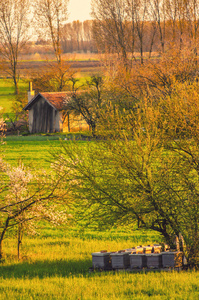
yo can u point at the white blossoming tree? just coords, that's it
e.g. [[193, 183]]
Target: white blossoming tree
[[25, 198]]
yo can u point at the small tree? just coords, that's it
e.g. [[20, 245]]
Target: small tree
[[27, 197], [88, 104], [53, 78]]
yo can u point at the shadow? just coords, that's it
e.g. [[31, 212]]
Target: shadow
[[46, 268]]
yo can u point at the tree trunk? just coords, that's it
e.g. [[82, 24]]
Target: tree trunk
[[2, 236]]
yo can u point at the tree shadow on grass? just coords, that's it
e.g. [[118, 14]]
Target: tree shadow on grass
[[46, 268]]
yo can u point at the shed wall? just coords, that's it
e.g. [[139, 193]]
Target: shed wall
[[43, 117]]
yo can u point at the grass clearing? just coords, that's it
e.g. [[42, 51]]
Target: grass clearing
[[55, 264]]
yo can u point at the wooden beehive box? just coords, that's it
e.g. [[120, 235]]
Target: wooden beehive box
[[139, 250], [120, 260], [157, 248], [148, 249], [154, 261], [137, 261], [101, 260], [172, 259]]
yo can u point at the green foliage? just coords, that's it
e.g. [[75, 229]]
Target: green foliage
[[139, 173]]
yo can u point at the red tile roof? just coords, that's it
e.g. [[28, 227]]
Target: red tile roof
[[56, 99]]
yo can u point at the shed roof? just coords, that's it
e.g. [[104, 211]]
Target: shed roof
[[56, 100]]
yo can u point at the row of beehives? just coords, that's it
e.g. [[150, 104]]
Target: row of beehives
[[149, 257]]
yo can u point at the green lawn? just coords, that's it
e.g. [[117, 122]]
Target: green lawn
[[55, 264], [32, 150]]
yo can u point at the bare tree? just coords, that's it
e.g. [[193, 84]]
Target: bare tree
[[140, 21], [77, 31], [67, 38], [14, 34], [111, 29], [87, 30], [158, 11], [51, 16]]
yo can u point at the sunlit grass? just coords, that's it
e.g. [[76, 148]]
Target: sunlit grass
[[57, 267], [32, 150], [103, 286], [7, 90]]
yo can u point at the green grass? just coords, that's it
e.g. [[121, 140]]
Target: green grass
[[55, 264], [32, 150], [57, 267], [7, 95], [31, 153]]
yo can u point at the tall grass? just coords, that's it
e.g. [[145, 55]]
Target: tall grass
[[57, 267]]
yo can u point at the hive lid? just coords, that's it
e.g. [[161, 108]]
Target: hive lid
[[101, 253], [153, 254], [170, 252], [120, 253], [137, 254]]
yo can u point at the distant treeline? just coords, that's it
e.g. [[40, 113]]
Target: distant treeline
[[91, 36]]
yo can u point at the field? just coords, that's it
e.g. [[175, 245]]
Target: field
[[81, 65], [55, 264]]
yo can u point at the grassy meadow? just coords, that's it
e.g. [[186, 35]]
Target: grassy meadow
[[55, 264]]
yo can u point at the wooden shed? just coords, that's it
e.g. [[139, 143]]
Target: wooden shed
[[46, 114]]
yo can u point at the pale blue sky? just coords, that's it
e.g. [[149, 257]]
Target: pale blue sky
[[79, 10]]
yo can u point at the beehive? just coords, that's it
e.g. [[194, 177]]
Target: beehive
[[148, 249], [172, 259], [120, 260], [139, 250], [137, 261], [157, 248], [154, 261], [101, 260]]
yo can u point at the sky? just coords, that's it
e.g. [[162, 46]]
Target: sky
[[79, 10]]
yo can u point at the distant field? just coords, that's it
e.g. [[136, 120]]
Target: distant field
[[28, 67]]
